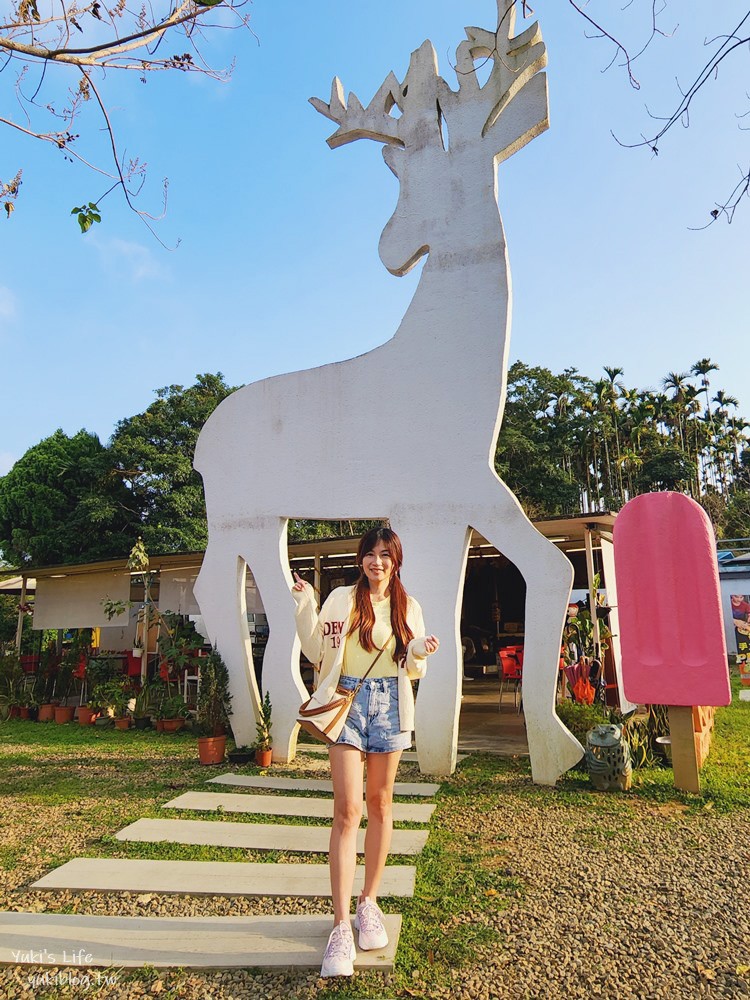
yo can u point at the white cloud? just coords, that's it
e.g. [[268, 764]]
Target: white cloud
[[139, 262], [8, 303], [7, 461]]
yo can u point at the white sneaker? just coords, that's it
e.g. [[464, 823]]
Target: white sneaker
[[340, 952], [369, 923]]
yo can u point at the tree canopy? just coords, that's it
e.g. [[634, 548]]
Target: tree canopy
[[568, 444], [61, 503], [152, 453], [73, 499]]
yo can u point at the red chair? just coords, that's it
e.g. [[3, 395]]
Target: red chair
[[511, 671]]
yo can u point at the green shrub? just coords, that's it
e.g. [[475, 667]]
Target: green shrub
[[580, 718]]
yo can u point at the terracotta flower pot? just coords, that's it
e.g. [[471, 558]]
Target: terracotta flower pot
[[123, 723], [160, 725], [64, 713], [211, 749], [23, 712], [172, 725], [86, 715], [14, 712], [46, 712], [263, 758]]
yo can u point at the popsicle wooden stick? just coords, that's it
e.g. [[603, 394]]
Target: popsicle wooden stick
[[684, 756]]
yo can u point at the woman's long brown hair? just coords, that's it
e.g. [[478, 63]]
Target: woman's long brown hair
[[363, 616]]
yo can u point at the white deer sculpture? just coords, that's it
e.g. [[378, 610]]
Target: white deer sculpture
[[408, 430]]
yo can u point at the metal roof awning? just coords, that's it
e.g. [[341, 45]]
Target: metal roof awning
[[14, 585], [567, 532]]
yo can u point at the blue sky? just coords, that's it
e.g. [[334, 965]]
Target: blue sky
[[277, 267]]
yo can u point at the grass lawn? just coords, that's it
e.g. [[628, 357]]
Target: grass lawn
[[66, 790]]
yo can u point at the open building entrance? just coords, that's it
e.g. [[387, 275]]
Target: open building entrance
[[493, 631]]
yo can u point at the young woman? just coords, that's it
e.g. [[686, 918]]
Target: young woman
[[354, 624]]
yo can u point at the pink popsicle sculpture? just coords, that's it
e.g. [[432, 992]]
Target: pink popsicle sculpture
[[669, 602]]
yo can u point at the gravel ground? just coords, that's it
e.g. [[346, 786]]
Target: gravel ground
[[637, 901]]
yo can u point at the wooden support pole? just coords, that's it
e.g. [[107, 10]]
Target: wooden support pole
[[590, 574], [21, 613], [144, 658], [684, 757], [316, 576]]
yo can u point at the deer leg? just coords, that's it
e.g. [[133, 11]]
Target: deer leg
[[266, 553], [549, 576], [434, 566], [220, 592]]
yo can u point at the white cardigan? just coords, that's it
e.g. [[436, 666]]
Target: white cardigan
[[323, 635]]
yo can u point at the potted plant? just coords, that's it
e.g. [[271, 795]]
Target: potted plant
[[173, 712], [263, 744], [26, 704], [179, 648], [45, 692], [73, 662], [12, 684], [213, 708], [99, 671], [86, 714], [112, 698], [143, 706], [241, 755], [63, 684]]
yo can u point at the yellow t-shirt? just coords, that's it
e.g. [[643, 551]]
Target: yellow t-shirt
[[357, 660]]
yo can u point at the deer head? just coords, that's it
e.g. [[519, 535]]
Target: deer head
[[436, 139]]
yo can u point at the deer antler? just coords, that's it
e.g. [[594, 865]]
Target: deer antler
[[373, 122], [516, 58]]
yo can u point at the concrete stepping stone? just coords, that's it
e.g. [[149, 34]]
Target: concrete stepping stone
[[214, 878], [286, 805], [256, 836], [63, 939], [313, 784]]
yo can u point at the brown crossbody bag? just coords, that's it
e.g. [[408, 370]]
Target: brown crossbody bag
[[325, 721]]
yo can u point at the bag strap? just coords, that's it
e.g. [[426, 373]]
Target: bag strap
[[380, 653]]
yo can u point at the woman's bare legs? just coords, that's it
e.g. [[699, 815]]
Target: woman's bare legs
[[347, 769], [381, 773]]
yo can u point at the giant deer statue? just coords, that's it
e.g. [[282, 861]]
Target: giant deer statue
[[408, 430]]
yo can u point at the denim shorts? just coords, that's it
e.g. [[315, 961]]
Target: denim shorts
[[372, 724]]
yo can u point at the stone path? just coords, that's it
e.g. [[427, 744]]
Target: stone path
[[256, 836], [211, 878], [215, 942], [285, 805], [415, 788], [64, 939]]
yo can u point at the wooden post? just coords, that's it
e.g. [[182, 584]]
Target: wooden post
[[21, 613], [590, 573], [316, 576], [684, 757], [144, 658]]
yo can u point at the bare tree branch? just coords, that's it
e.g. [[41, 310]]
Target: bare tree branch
[[28, 38]]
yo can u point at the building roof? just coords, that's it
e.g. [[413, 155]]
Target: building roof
[[564, 531]]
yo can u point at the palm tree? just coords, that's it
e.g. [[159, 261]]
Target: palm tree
[[616, 385], [724, 437], [677, 381], [702, 368]]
